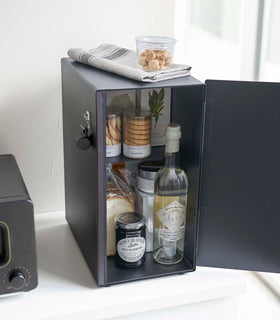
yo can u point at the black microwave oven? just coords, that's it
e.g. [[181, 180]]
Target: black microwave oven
[[229, 149], [18, 266]]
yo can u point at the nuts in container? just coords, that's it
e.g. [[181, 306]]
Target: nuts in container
[[113, 134], [155, 53], [137, 133]]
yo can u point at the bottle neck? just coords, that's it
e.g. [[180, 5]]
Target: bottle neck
[[172, 153], [171, 159]]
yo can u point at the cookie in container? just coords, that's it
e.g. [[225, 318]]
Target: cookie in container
[[137, 133], [113, 133]]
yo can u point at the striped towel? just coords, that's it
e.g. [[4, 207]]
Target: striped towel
[[122, 61]]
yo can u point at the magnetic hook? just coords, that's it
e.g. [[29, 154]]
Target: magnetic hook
[[87, 119]]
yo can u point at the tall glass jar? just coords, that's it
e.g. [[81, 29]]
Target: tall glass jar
[[137, 133], [113, 134]]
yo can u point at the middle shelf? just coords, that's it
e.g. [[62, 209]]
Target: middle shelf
[[157, 153]]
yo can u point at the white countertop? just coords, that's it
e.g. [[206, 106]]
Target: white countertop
[[66, 286]]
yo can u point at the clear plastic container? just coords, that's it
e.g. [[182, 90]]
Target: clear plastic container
[[137, 133], [154, 53], [113, 134]]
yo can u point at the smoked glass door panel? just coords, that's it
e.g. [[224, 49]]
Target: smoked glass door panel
[[239, 204]]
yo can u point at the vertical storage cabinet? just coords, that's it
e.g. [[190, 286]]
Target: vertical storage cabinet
[[222, 226]]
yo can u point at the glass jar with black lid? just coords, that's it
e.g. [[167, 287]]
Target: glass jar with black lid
[[130, 240]]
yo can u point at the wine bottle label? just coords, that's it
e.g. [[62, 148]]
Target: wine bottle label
[[173, 218], [173, 234], [131, 249], [173, 215]]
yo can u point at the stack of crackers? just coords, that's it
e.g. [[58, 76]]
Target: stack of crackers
[[137, 130]]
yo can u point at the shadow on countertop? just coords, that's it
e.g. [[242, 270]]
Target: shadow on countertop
[[59, 255]]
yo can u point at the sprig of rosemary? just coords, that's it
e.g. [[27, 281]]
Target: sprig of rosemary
[[156, 103]]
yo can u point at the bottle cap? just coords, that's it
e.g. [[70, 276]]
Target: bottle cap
[[172, 137], [173, 131]]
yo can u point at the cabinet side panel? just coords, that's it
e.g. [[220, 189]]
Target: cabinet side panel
[[81, 167], [187, 110]]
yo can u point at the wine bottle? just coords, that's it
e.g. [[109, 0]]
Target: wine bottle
[[170, 202]]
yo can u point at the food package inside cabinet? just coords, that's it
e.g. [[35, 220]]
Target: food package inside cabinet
[[119, 198]]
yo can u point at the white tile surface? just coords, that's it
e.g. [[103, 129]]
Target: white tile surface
[[67, 290], [259, 302]]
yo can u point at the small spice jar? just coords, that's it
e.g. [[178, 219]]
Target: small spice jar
[[113, 134], [137, 133], [130, 240]]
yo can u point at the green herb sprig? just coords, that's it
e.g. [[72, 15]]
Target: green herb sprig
[[156, 103]]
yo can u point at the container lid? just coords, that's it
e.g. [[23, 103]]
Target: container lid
[[155, 39], [111, 113], [148, 169], [137, 113], [130, 220]]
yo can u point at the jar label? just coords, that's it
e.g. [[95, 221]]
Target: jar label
[[145, 185], [113, 150], [173, 218], [131, 249], [136, 152]]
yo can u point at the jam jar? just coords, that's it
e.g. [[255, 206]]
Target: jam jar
[[130, 240]]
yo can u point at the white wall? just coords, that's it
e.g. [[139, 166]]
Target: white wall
[[34, 35]]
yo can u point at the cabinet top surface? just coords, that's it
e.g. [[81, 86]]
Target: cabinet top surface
[[103, 80]]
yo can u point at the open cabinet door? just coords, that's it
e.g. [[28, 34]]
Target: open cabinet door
[[239, 224]]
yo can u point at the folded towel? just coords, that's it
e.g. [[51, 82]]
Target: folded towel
[[122, 61]]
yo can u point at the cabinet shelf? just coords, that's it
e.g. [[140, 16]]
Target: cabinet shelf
[[157, 153], [150, 269]]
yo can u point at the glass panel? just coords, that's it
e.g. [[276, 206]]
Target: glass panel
[[270, 68], [207, 15], [273, 36], [4, 250], [218, 17], [213, 40]]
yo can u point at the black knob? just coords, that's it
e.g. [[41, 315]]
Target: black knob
[[83, 143], [17, 279]]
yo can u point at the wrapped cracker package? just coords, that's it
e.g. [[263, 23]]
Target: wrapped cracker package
[[137, 133], [120, 198]]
